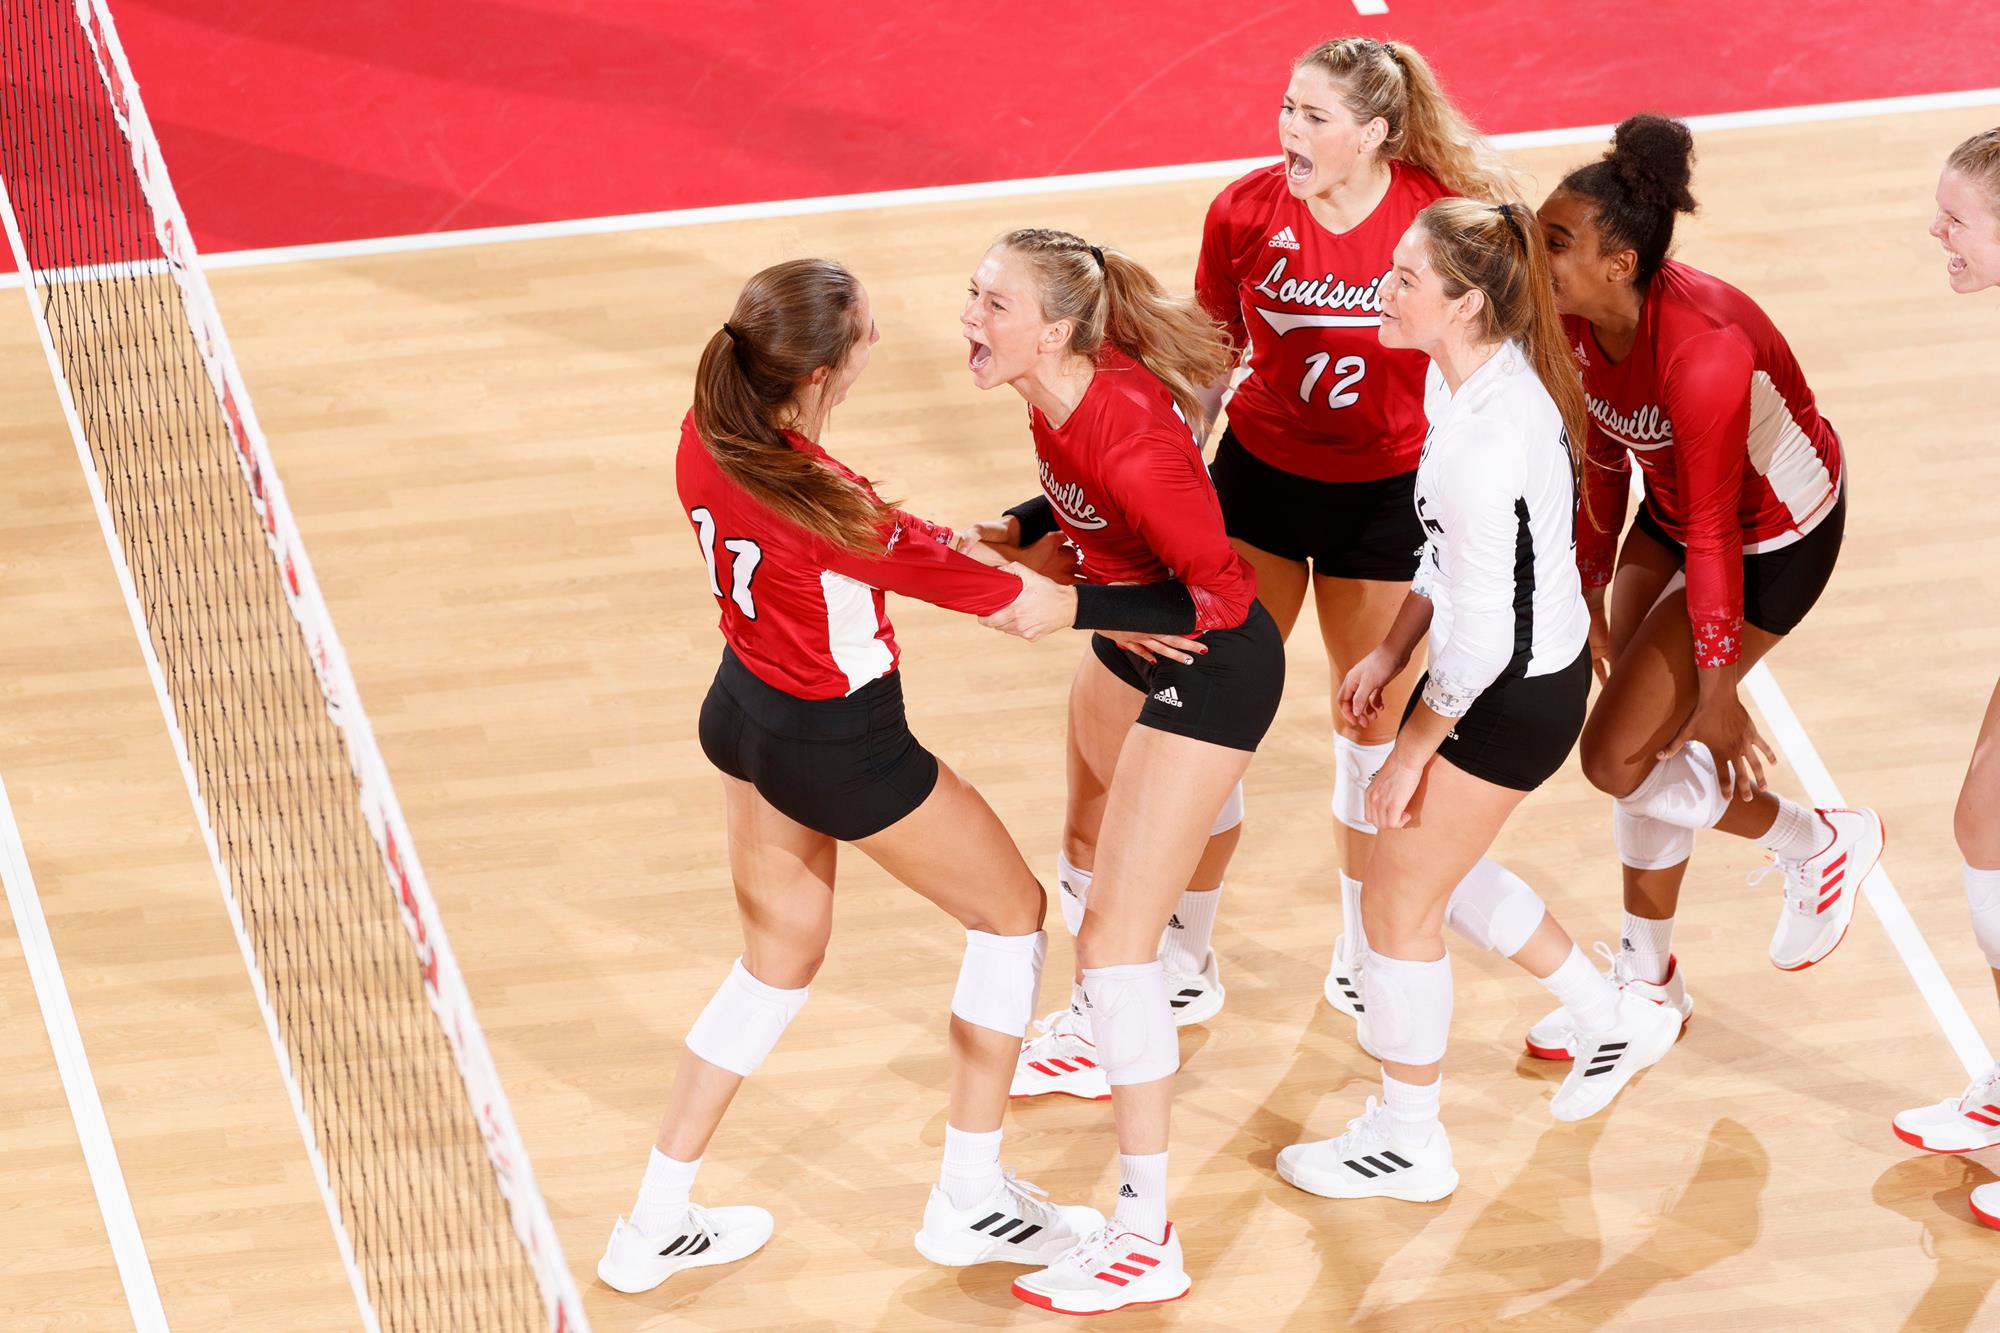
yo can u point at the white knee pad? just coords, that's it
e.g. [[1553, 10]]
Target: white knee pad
[[743, 1021], [1072, 893], [1231, 813], [1409, 1008], [998, 979], [1683, 791], [1982, 894], [1495, 909], [1648, 844], [1132, 1022], [1354, 767]]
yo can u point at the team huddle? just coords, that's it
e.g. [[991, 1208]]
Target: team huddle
[[1434, 394]]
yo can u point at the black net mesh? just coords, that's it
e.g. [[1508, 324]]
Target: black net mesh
[[409, 1172]]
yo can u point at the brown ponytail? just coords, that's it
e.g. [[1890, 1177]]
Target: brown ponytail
[[1109, 296], [790, 320], [1499, 251], [1393, 81]]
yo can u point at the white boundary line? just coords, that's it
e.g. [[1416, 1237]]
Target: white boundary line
[[100, 1154], [1035, 185], [144, 635], [1880, 892]]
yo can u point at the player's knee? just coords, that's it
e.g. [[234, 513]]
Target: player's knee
[[1018, 912], [1976, 822], [787, 966], [1101, 943], [1606, 767]]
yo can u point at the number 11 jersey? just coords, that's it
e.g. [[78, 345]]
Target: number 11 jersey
[[1324, 398]]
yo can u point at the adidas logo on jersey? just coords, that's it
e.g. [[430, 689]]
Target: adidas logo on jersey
[[1284, 240], [1169, 695], [1127, 1192]]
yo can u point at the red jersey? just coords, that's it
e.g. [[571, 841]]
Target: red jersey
[[1126, 481], [1324, 398], [1735, 455], [807, 616]]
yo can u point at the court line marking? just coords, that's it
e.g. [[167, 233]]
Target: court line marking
[[100, 1153], [1035, 185], [1878, 888]]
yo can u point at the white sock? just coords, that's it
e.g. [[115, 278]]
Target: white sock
[[1651, 944], [1184, 944], [663, 1194], [1796, 833], [1142, 1194], [1350, 915], [1584, 992], [1072, 893], [971, 1165], [1413, 1110]]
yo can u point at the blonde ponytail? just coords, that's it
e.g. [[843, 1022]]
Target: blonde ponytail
[[1109, 296]]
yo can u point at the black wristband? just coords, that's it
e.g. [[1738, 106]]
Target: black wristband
[[1037, 518], [1158, 608]]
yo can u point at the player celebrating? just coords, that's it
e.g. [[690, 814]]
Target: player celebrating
[[1968, 226], [1318, 463], [1111, 368], [1496, 714], [805, 722], [1745, 502]]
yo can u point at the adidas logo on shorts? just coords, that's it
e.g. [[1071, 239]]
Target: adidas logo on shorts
[[1284, 240], [1169, 695]]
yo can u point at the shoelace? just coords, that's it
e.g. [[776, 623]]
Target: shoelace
[[1030, 1199], [1363, 1124], [1087, 1255], [1981, 1089], [1798, 890], [1061, 1023]]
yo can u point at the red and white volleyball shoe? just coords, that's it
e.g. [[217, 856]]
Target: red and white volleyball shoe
[[1554, 1038], [1822, 890], [1985, 1203], [1058, 1056], [1111, 1269], [1965, 1123]]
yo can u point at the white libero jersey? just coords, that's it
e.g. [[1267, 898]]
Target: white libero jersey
[[1496, 493]]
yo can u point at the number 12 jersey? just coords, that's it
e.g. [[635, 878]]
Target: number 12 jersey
[[1324, 399]]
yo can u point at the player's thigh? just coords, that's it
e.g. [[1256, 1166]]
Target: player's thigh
[[1103, 704], [954, 850], [783, 876]]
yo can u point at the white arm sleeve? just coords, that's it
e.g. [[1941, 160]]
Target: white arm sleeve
[[1478, 501]]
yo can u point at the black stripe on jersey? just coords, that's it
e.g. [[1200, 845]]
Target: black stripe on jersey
[[1524, 590]]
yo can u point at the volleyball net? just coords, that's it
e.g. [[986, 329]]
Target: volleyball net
[[433, 1204]]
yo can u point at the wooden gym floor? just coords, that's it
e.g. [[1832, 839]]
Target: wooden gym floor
[[477, 443]]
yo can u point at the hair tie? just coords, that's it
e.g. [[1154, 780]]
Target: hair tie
[[730, 329], [1513, 223], [1097, 255], [1389, 50]]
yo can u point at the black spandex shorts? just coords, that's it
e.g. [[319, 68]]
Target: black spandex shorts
[[1779, 586], [1521, 730], [1346, 529], [848, 768], [1226, 696]]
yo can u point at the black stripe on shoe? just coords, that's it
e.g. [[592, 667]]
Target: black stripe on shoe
[[1397, 1160], [680, 1242], [1024, 1233], [1351, 1164], [699, 1246], [1004, 1228], [1378, 1164], [987, 1221]]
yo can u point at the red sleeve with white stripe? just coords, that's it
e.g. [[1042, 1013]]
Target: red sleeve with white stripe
[[1706, 392], [920, 563]]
